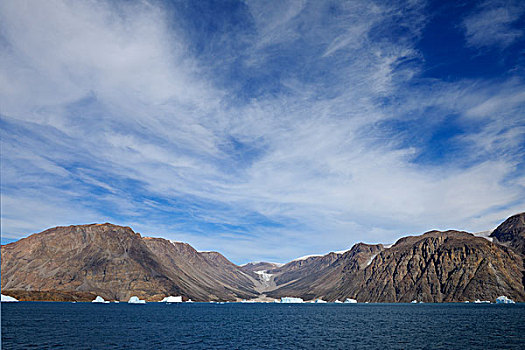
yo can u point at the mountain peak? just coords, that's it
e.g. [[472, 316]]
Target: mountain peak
[[512, 232]]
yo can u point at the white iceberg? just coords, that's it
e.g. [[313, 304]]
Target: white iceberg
[[190, 301], [504, 300], [350, 301], [8, 299], [136, 300], [172, 299], [477, 301], [338, 302], [320, 301], [291, 300], [100, 300]]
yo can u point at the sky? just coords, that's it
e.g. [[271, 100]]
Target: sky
[[265, 130]]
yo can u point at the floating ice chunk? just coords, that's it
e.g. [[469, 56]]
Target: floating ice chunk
[[338, 302], [413, 302], [100, 300], [136, 300], [477, 301], [291, 300], [350, 301], [504, 300], [320, 301], [172, 299], [8, 299], [190, 301]]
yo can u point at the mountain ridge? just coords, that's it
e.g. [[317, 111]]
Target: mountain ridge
[[116, 262]]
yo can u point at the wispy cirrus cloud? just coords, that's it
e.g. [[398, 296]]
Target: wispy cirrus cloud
[[264, 132], [494, 24]]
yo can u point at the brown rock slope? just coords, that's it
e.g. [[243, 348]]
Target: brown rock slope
[[512, 233], [205, 275], [440, 266], [115, 262], [322, 276], [434, 267]]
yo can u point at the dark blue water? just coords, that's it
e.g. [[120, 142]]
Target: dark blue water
[[36, 325]]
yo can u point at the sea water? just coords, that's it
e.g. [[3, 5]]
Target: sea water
[[41, 325]]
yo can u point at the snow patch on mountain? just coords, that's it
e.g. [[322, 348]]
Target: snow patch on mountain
[[371, 259], [484, 234], [266, 277]]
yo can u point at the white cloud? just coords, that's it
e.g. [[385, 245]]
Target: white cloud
[[117, 122], [492, 24]]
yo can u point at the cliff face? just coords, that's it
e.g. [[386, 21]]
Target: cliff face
[[433, 267], [115, 262], [440, 266]]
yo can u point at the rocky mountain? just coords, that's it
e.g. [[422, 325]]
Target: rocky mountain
[[115, 262], [434, 267], [512, 233], [78, 262], [203, 275], [316, 277]]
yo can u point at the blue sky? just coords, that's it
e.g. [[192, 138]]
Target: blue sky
[[265, 130]]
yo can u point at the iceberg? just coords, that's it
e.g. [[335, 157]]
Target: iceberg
[[350, 301], [100, 300], [172, 299], [338, 302], [190, 301], [136, 300], [8, 299], [477, 301], [504, 300], [291, 300], [320, 301]]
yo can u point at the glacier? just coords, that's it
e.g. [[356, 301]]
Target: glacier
[[265, 277], [8, 299]]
